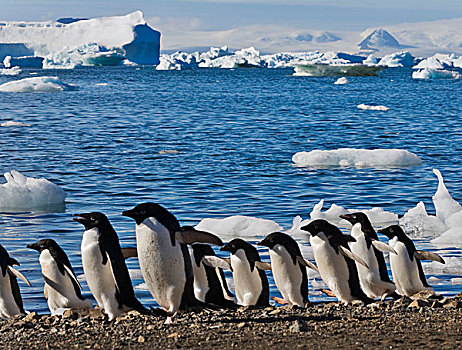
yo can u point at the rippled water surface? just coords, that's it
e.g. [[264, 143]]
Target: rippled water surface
[[233, 134]]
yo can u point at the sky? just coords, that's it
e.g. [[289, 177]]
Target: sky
[[227, 14]]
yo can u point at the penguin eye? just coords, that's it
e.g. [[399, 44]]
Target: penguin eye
[[92, 219], [233, 246], [142, 212]]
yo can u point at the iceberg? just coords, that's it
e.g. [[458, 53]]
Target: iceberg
[[397, 59], [430, 73], [238, 226], [37, 84], [419, 223], [128, 35], [342, 81], [10, 71], [26, 193], [372, 108], [327, 70], [23, 62], [357, 157]]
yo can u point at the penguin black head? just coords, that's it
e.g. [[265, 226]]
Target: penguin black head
[[201, 250], [237, 244], [153, 210], [6, 260], [354, 218], [393, 231], [277, 238], [317, 226], [44, 244], [91, 220]]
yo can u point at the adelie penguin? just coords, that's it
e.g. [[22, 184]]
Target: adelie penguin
[[250, 281], [10, 295], [289, 268], [405, 265], [104, 266], [62, 289], [374, 280], [164, 257], [335, 261], [210, 284]]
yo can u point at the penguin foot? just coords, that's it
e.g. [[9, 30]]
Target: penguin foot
[[328, 293], [280, 301]]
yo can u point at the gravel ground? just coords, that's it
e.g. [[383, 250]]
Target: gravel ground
[[404, 324]]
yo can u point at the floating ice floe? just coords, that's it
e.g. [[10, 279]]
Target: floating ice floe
[[372, 108], [25, 193], [37, 84], [342, 81], [452, 266], [10, 71], [357, 158], [239, 226], [430, 73], [13, 123], [418, 222], [440, 61]]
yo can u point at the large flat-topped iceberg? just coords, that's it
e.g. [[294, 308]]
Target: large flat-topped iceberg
[[128, 35], [357, 157]]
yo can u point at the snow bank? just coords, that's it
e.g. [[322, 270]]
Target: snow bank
[[357, 157], [37, 84], [342, 81], [372, 108], [10, 71], [13, 123], [430, 73], [128, 34], [24, 193], [397, 59], [239, 226]]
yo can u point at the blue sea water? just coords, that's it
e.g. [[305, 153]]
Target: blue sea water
[[234, 133]]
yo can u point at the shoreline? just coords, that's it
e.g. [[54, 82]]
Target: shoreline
[[422, 323]]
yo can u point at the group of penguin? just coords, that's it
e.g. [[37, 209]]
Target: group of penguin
[[182, 271]]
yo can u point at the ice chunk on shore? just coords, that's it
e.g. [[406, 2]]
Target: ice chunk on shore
[[37, 84], [10, 71], [417, 221], [24, 193], [342, 81], [430, 73], [13, 123], [376, 215], [238, 226], [372, 108], [357, 158]]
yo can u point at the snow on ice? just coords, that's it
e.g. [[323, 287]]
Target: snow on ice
[[342, 81]]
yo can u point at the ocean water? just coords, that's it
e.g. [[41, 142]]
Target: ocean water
[[229, 136]]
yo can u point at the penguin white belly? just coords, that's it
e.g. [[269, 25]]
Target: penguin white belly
[[100, 278], [201, 285], [162, 264], [369, 278], [287, 275], [247, 284], [59, 287], [405, 272], [332, 268], [8, 306]]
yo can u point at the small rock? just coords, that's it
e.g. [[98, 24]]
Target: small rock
[[274, 312], [453, 304], [418, 303], [241, 325], [298, 326], [173, 335], [31, 317], [141, 339]]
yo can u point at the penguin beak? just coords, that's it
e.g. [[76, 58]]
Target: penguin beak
[[80, 218], [33, 246], [305, 228], [225, 248], [263, 243], [345, 217]]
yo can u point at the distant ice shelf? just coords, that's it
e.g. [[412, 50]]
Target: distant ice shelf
[[97, 41]]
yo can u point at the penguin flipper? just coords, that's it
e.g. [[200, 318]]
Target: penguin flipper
[[349, 254], [263, 265], [307, 263], [424, 255], [190, 235], [129, 253], [383, 247], [18, 274], [72, 276], [215, 261]]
